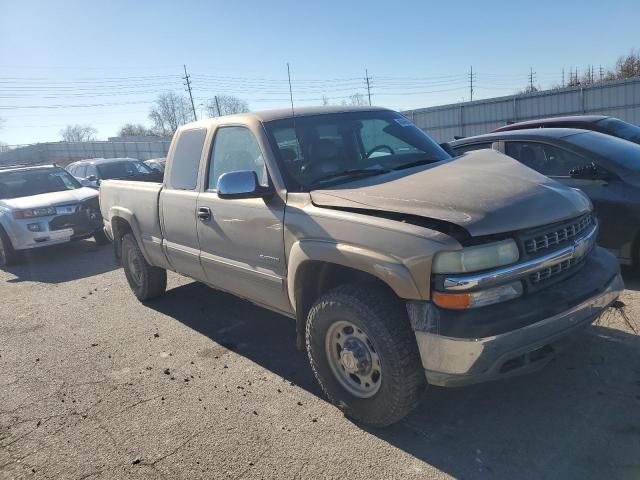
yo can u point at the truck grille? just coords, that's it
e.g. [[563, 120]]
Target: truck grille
[[549, 272], [558, 234]]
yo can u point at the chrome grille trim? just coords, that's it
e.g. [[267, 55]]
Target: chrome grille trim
[[558, 235]]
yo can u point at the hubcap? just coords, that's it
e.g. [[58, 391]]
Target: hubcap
[[353, 359]]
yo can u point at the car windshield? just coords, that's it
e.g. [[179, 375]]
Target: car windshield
[[128, 168], [334, 148], [24, 183], [622, 129], [619, 152]]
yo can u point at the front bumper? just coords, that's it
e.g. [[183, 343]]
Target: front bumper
[[462, 360], [54, 229]]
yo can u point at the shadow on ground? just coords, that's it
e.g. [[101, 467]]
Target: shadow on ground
[[578, 418], [63, 263]]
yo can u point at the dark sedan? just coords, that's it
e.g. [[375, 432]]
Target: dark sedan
[[597, 123], [606, 168]]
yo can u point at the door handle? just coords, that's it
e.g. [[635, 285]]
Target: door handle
[[204, 213]]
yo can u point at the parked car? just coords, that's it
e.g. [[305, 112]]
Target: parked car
[[156, 163], [606, 168], [42, 206], [598, 123], [399, 264], [92, 172]]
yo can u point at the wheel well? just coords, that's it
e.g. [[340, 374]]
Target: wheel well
[[120, 227], [314, 278]]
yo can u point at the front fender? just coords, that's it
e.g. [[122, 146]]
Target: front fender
[[381, 265]]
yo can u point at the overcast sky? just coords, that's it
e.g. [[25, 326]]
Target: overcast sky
[[103, 63]]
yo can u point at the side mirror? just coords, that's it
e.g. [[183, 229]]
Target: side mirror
[[241, 184], [91, 178]]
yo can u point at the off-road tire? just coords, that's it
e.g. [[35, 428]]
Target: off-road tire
[[150, 281], [384, 319], [101, 238], [8, 256]]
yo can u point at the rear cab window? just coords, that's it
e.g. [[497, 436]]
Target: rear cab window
[[186, 159]]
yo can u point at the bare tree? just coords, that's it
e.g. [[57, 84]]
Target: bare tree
[[134, 130], [228, 105], [325, 100], [78, 133], [628, 66], [169, 112], [4, 147], [355, 99]]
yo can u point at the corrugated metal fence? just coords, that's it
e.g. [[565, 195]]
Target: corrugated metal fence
[[66, 152], [619, 98]]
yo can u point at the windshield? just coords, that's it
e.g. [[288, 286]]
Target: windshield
[[334, 148], [24, 183], [122, 169], [620, 153], [621, 129]]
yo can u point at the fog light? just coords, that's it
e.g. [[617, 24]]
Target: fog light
[[478, 299], [34, 227]]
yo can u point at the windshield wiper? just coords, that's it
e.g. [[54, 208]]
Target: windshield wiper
[[424, 161], [350, 174]]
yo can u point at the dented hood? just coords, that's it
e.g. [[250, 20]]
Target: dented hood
[[484, 191]]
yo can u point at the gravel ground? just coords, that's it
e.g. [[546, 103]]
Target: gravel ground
[[199, 384]]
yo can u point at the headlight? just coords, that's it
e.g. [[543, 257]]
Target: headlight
[[34, 212], [473, 259]]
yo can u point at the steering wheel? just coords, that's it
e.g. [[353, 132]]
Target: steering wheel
[[378, 147]]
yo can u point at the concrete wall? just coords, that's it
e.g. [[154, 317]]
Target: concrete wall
[[619, 98], [66, 152]]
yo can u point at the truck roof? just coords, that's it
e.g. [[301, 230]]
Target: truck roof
[[281, 113]]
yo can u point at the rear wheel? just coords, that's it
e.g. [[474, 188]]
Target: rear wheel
[[364, 354], [8, 256], [145, 280]]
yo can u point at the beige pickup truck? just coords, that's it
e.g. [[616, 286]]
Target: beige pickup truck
[[400, 265]]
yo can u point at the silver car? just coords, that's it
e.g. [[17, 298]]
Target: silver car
[[42, 206]]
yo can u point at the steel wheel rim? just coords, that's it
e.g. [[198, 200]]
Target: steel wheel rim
[[353, 359], [135, 268]]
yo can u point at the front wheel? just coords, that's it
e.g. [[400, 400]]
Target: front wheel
[[145, 280], [8, 256], [101, 238], [364, 354]]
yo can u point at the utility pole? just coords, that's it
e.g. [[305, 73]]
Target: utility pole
[[471, 79], [563, 78], [187, 79], [290, 92], [601, 73], [217, 105], [366, 72], [531, 77]]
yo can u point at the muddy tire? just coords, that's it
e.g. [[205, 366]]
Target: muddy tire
[[101, 238], [145, 280], [8, 256], [364, 354]]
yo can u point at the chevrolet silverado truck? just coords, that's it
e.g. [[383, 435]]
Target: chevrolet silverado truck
[[400, 265]]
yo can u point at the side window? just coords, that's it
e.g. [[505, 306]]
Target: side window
[[546, 159], [71, 169], [92, 170], [186, 159], [235, 148], [470, 148], [80, 171]]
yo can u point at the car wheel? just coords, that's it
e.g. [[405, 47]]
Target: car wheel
[[364, 354], [145, 280], [8, 256], [101, 238]]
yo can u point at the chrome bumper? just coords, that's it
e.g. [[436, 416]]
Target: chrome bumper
[[456, 361]]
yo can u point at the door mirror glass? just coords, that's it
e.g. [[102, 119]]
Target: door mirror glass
[[91, 178], [241, 184]]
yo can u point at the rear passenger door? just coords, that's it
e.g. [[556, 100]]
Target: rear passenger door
[[178, 200], [242, 240]]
